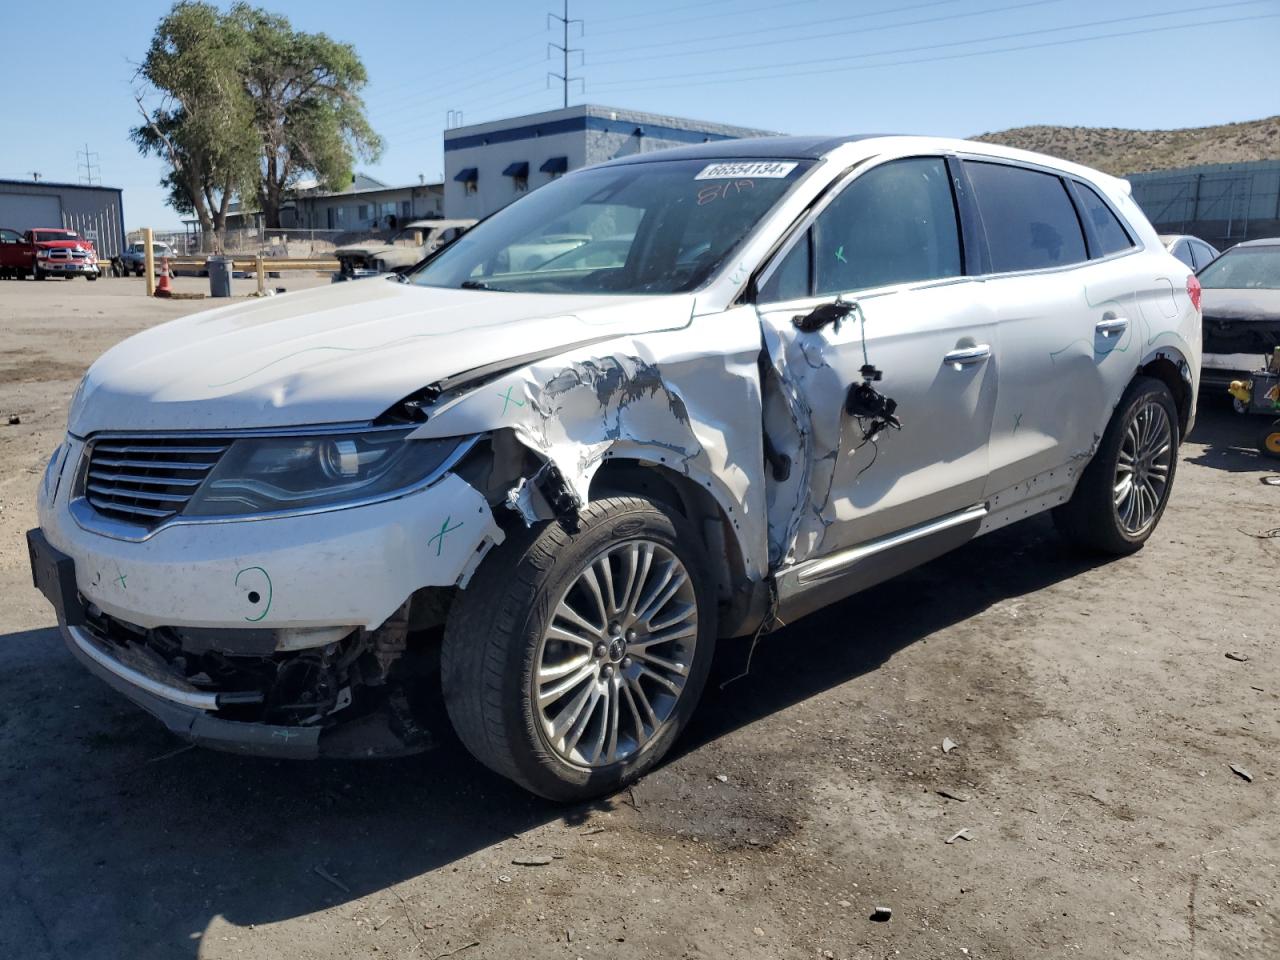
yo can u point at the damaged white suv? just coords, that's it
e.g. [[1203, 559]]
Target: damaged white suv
[[781, 370]]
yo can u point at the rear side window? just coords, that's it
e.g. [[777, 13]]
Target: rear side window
[[1029, 219], [1110, 233]]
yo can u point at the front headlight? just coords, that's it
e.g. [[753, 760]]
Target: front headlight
[[42, 254], [275, 474]]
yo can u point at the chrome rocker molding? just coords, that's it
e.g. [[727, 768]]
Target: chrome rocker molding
[[809, 586]]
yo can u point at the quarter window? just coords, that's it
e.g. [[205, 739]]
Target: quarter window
[[1030, 221], [1107, 228]]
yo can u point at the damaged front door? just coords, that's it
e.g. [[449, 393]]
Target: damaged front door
[[889, 241]]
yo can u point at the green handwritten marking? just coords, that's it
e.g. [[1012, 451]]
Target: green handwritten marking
[[120, 580], [266, 608], [508, 399], [840, 254], [438, 539], [1017, 422]]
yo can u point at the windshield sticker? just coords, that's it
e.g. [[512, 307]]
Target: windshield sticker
[[775, 169]]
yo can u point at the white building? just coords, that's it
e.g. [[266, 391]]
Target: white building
[[487, 165]]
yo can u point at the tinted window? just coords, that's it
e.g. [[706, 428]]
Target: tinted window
[[1182, 250], [1107, 228], [1029, 219], [894, 224], [1203, 253]]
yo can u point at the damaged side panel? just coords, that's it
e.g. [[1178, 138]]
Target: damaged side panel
[[688, 402]]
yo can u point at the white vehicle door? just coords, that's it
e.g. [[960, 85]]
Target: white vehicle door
[[1068, 323], [890, 240]]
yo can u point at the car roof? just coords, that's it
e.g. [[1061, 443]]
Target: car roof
[[773, 148]]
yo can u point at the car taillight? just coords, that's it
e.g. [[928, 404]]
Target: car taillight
[[1193, 290]]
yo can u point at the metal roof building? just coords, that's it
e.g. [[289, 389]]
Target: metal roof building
[[96, 213], [487, 165]]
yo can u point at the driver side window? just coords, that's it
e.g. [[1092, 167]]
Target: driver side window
[[894, 224]]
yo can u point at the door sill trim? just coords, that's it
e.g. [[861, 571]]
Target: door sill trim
[[824, 568]]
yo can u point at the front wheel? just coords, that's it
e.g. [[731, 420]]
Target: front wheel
[[1124, 489], [573, 660]]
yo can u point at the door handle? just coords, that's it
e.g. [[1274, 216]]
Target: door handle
[[964, 356], [1111, 325]]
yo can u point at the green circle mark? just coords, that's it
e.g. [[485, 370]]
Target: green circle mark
[[267, 608]]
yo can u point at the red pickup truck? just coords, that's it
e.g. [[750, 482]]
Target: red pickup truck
[[45, 252]]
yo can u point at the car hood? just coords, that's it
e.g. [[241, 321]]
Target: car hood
[[63, 244], [343, 353], [1240, 304]]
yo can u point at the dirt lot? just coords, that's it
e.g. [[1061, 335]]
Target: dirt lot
[[1093, 705]]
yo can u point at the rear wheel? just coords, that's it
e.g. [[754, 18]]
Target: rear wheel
[[1124, 489], [573, 660]]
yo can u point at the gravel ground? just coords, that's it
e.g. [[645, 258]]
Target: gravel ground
[[1093, 706]]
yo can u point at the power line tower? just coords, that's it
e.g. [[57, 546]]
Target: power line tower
[[89, 169], [564, 20]]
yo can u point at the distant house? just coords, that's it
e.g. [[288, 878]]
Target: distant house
[[365, 204]]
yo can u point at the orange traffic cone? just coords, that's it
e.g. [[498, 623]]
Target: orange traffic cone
[[162, 288]]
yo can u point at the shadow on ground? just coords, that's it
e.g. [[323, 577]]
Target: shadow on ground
[[116, 845]]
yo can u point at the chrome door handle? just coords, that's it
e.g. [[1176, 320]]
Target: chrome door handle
[[964, 356], [1111, 325]]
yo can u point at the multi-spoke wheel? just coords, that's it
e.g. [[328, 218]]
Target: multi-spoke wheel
[[613, 662], [1144, 464], [1123, 491], [573, 659]]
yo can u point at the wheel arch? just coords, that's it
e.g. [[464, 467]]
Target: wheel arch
[[1169, 366], [741, 600]]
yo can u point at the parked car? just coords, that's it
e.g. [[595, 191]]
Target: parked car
[[1241, 311], [1192, 251], [406, 248], [134, 259], [46, 252], [547, 495]]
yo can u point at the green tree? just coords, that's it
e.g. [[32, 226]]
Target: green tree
[[307, 110], [203, 123], [246, 107]]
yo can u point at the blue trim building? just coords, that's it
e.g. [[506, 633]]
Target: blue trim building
[[487, 165]]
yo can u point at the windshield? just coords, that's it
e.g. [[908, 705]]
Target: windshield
[[48, 236], [658, 227], [1244, 268]]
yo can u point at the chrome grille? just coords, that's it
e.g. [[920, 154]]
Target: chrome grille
[[147, 480]]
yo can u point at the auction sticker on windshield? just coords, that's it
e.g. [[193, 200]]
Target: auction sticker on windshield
[[746, 168]]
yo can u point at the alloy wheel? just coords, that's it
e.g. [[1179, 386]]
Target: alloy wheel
[[1143, 467], [615, 657]]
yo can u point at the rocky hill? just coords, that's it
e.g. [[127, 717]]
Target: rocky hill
[[1120, 151]]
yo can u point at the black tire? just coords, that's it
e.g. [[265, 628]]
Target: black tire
[[91, 277], [496, 626], [37, 273], [1091, 519]]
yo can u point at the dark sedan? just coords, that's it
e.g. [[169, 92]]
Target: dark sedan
[[1241, 308]]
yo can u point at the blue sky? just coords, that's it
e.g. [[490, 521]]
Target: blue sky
[[948, 67]]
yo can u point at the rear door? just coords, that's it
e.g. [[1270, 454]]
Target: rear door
[[1068, 323], [890, 240]]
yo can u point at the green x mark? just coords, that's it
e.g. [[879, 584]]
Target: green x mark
[[438, 539], [840, 254], [508, 399]]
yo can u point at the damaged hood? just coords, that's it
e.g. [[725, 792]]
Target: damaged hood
[[338, 354], [1240, 304]]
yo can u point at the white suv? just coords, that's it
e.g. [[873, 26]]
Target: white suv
[[540, 496]]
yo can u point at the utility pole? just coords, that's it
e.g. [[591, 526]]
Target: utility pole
[[564, 48], [88, 166]]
